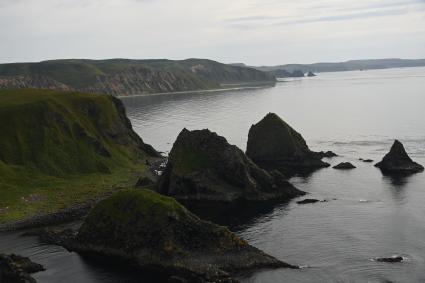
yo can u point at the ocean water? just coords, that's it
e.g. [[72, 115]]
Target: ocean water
[[368, 215]]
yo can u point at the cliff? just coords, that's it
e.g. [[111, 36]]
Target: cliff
[[60, 147], [127, 77]]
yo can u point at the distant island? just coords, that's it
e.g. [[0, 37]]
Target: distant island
[[352, 65], [121, 77]]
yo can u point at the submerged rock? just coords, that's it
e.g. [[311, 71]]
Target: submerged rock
[[392, 259], [326, 154], [273, 144], [307, 201], [203, 166], [157, 234], [344, 165], [17, 269], [397, 161]]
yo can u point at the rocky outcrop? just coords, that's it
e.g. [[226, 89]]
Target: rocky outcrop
[[273, 144], [397, 161], [155, 233], [344, 166], [17, 269], [203, 166]]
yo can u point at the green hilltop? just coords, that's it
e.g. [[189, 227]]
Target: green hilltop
[[58, 148]]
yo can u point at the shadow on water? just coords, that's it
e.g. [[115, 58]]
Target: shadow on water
[[397, 185], [236, 216]]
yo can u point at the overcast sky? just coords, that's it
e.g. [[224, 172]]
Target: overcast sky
[[257, 32]]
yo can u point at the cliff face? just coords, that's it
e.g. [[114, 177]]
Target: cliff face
[[66, 133], [127, 77]]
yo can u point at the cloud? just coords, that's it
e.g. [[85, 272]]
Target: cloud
[[251, 31]]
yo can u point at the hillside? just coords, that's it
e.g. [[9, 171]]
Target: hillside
[[351, 65], [57, 148], [127, 77]]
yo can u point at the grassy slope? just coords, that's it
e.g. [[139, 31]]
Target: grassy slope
[[49, 150]]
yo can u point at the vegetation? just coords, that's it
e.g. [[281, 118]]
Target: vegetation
[[59, 148], [166, 225], [126, 77]]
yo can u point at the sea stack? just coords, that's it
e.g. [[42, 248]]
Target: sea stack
[[203, 166], [156, 234], [397, 161], [273, 144]]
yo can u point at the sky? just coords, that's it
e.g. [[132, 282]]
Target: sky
[[255, 32]]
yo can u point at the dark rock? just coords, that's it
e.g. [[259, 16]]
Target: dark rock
[[397, 161], [392, 259], [53, 236], [344, 165], [297, 74], [155, 233], [308, 200], [203, 166], [368, 160], [327, 154], [311, 74], [273, 144], [17, 269], [145, 182]]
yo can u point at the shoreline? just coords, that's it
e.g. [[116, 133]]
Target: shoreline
[[236, 87]]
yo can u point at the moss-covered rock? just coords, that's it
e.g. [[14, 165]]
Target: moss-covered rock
[[156, 233], [17, 269], [397, 161], [273, 144], [203, 166]]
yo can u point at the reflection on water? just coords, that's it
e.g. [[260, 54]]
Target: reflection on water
[[356, 115]]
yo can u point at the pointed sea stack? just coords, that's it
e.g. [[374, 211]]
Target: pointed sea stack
[[273, 144], [203, 166], [397, 161]]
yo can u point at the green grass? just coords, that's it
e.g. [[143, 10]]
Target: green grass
[[60, 148]]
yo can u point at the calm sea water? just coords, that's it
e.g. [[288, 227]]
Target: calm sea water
[[355, 114]]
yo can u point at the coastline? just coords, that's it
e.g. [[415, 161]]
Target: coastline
[[245, 86]]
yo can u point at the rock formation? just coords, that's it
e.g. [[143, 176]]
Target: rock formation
[[157, 234], [273, 144], [17, 269], [344, 166], [397, 161], [203, 166]]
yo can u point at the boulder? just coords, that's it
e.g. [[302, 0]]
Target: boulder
[[344, 166], [17, 269], [273, 144], [158, 235], [397, 161], [203, 166]]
